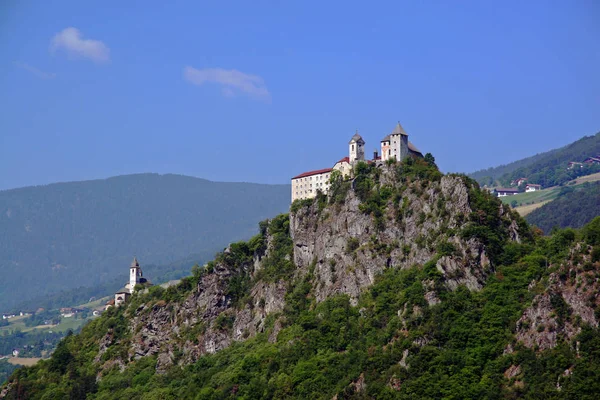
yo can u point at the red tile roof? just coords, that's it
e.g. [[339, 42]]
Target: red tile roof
[[345, 159], [311, 173]]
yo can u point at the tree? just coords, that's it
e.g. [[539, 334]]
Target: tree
[[430, 159], [514, 204]]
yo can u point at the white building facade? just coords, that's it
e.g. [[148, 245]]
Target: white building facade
[[306, 185]]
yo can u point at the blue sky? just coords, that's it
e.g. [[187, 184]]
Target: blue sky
[[261, 91]]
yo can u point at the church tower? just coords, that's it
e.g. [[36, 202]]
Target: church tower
[[135, 274], [356, 148]]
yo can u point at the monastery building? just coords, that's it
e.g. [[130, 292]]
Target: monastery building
[[394, 146]]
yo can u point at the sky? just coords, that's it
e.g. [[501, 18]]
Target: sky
[[262, 91]]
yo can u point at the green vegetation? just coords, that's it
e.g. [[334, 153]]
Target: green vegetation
[[573, 207], [455, 349], [375, 198], [278, 263], [539, 196], [64, 236], [6, 369], [547, 169], [395, 343], [37, 334]]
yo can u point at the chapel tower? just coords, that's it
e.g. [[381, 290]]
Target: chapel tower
[[135, 274], [356, 148]]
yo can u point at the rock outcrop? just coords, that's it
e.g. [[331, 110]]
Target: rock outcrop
[[569, 298], [348, 250], [338, 245]]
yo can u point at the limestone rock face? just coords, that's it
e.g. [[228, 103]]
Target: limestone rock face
[[339, 246], [327, 239], [182, 332], [568, 299]]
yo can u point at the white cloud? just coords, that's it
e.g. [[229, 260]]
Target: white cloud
[[70, 40], [37, 72], [233, 81]]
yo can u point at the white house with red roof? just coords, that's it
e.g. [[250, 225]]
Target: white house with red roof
[[518, 182], [305, 185]]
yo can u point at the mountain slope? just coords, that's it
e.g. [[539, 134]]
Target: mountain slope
[[573, 208], [68, 235], [546, 169], [401, 284]]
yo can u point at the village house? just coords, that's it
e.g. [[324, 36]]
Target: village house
[[518, 182], [393, 146], [592, 160], [531, 187], [573, 164], [502, 192], [68, 312]]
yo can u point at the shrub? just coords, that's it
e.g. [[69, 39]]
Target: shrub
[[351, 245]]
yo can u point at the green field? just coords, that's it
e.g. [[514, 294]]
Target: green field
[[544, 196], [64, 325], [523, 199]]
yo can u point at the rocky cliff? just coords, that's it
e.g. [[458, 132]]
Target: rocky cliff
[[401, 282], [340, 245]]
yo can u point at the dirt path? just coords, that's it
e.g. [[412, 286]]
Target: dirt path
[[28, 362]]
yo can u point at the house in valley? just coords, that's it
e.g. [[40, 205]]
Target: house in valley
[[531, 187], [592, 160], [518, 182], [502, 192]]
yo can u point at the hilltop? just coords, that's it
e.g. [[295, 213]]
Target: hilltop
[[547, 169], [83, 234]]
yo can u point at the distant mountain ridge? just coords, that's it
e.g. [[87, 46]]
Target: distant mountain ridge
[[548, 168], [66, 235]]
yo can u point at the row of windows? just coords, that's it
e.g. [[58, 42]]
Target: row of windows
[[311, 185], [309, 178], [306, 191]]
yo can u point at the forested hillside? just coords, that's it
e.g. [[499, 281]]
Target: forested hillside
[[573, 208], [68, 235], [546, 169], [401, 284]]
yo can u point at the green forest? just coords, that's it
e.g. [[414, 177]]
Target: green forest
[[332, 349], [546, 169], [84, 234], [574, 207]]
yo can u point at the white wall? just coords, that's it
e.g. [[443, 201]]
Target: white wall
[[306, 187]]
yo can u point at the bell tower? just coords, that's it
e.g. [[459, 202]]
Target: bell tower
[[356, 148], [135, 274]]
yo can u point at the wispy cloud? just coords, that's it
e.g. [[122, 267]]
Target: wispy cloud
[[37, 72], [71, 41], [232, 81]]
